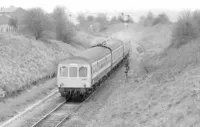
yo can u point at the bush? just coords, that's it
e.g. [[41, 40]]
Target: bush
[[148, 62], [186, 29], [161, 19], [151, 20]]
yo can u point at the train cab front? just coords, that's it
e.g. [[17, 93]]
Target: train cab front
[[73, 78]]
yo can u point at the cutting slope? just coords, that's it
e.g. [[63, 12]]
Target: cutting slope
[[23, 61]]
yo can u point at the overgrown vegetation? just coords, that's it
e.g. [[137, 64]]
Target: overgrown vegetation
[[186, 29], [181, 55], [150, 19], [41, 24], [63, 28], [37, 21], [13, 22], [161, 19]]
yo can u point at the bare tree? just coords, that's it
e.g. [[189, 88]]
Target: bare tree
[[147, 20], [114, 20], [102, 20], [150, 16], [161, 19], [63, 27], [90, 18], [81, 18], [185, 30], [36, 21]]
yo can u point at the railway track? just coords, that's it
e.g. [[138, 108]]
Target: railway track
[[63, 112], [55, 117], [60, 114]]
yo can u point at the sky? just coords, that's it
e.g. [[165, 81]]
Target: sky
[[105, 5], [135, 8]]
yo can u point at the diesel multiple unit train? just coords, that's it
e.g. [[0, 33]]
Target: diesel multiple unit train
[[83, 71]]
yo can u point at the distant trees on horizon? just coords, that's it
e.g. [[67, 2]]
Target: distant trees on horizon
[[150, 19]]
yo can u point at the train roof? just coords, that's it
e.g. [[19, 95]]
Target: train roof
[[111, 43], [74, 59], [89, 56], [94, 53]]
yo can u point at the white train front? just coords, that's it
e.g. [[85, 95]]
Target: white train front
[[85, 70]]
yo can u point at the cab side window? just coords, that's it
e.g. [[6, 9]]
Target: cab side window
[[83, 72], [64, 71]]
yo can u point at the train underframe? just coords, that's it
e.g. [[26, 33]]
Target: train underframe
[[71, 93]]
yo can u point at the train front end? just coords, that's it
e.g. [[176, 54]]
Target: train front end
[[73, 77]]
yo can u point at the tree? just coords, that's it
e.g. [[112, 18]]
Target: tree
[[130, 19], [142, 18], [13, 22], [36, 21], [102, 20], [150, 16], [81, 18], [90, 18], [63, 27], [161, 19], [114, 20], [147, 20]]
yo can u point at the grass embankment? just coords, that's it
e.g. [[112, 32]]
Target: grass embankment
[[25, 61], [174, 79], [169, 94], [182, 53]]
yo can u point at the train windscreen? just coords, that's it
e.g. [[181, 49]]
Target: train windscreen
[[83, 72], [73, 71]]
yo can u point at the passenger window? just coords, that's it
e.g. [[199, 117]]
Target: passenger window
[[73, 71], [83, 72], [64, 71]]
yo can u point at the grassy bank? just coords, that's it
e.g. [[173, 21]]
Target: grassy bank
[[23, 61], [182, 52]]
